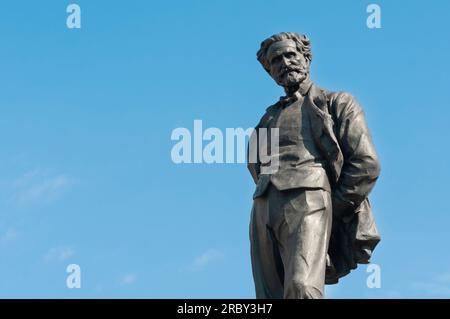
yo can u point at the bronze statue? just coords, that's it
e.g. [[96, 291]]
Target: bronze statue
[[311, 219]]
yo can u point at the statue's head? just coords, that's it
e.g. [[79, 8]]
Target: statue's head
[[286, 56]]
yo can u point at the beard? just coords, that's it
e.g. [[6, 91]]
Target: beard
[[293, 77]]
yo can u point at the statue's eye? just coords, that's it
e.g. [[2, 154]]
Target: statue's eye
[[290, 55], [276, 59]]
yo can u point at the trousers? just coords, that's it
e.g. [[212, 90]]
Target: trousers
[[289, 236]]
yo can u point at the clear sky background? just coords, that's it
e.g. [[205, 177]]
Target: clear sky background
[[86, 117]]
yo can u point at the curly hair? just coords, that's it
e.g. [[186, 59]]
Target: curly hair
[[302, 42]]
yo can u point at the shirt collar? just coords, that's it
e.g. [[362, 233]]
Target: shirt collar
[[301, 92]]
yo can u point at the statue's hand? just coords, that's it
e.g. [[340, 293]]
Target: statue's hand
[[342, 209]]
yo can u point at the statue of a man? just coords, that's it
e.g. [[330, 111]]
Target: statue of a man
[[311, 220]]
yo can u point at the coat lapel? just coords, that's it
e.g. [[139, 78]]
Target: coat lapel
[[322, 124]]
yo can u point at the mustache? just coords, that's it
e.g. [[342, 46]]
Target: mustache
[[297, 68]]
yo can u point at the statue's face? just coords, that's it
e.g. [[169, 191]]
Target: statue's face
[[288, 66]]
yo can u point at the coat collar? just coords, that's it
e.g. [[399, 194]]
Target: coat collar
[[302, 91]]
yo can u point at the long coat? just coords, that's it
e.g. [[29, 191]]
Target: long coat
[[341, 133]]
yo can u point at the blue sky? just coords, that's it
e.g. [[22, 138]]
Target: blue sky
[[86, 117]]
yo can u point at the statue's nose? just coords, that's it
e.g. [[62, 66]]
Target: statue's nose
[[285, 60]]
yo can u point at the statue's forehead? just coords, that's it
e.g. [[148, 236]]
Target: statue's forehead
[[280, 47]]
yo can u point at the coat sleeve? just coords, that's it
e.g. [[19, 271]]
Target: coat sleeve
[[361, 167], [253, 160], [253, 166]]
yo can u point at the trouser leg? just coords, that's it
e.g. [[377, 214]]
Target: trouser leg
[[302, 226], [268, 274]]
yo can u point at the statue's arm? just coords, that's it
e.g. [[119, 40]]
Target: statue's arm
[[253, 164], [253, 160], [253, 168], [361, 166]]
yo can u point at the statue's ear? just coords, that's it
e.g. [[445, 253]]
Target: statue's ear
[[309, 62]]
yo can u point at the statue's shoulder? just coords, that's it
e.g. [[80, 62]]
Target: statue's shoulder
[[332, 97], [268, 115], [341, 103], [340, 97], [272, 108]]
